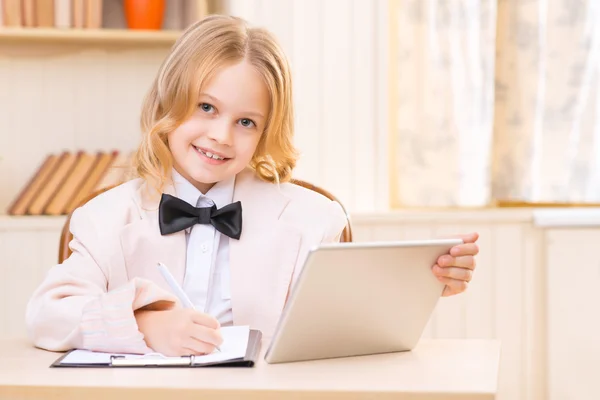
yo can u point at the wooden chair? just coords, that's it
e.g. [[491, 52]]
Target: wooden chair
[[65, 237]]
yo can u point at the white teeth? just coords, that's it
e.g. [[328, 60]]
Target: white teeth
[[210, 155]]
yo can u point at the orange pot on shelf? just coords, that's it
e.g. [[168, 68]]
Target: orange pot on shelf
[[144, 14]]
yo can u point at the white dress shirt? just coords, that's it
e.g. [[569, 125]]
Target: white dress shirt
[[206, 280]]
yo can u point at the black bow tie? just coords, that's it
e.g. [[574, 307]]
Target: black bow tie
[[175, 215]]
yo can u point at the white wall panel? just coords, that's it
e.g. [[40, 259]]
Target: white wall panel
[[573, 345], [504, 301]]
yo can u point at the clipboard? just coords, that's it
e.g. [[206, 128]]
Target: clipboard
[[153, 360]]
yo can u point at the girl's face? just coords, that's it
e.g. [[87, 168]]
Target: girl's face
[[219, 139]]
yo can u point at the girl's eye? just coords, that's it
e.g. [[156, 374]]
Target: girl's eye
[[206, 107], [247, 123]]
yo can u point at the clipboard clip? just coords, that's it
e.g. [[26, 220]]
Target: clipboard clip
[[151, 360]]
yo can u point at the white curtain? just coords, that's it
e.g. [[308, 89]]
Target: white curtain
[[443, 66], [495, 100], [546, 131]]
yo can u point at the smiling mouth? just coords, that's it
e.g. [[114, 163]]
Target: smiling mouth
[[208, 154]]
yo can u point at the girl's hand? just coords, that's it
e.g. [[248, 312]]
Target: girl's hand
[[179, 331], [456, 269]]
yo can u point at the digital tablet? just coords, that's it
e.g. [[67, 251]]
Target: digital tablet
[[359, 298]]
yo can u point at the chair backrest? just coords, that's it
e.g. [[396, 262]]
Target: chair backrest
[[64, 251], [347, 232]]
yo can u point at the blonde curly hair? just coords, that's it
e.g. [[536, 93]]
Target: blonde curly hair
[[204, 47]]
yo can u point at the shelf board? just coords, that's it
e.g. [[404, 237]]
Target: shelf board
[[89, 36], [31, 223]]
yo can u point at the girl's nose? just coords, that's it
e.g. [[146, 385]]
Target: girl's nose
[[221, 132]]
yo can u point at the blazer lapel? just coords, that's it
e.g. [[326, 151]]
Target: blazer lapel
[[262, 261], [144, 246]]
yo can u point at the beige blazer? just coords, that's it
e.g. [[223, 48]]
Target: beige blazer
[[89, 299]]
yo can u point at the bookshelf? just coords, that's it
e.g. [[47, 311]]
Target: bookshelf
[[127, 37]]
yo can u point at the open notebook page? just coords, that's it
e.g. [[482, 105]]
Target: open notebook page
[[235, 342]]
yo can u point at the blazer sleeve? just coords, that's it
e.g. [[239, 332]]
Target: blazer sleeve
[[337, 223], [73, 309]]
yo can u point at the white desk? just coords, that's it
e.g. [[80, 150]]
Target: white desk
[[436, 369]]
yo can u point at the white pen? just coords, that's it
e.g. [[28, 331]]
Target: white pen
[[187, 303]]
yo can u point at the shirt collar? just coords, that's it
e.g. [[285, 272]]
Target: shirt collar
[[220, 194]]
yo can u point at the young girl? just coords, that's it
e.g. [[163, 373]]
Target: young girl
[[210, 203]]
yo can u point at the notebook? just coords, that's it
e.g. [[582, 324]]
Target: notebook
[[240, 348]]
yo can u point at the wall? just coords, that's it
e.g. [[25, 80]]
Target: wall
[[68, 97], [573, 320], [535, 288], [338, 50], [504, 301]]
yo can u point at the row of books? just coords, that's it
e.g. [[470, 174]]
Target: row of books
[[64, 180], [85, 13], [51, 13]]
